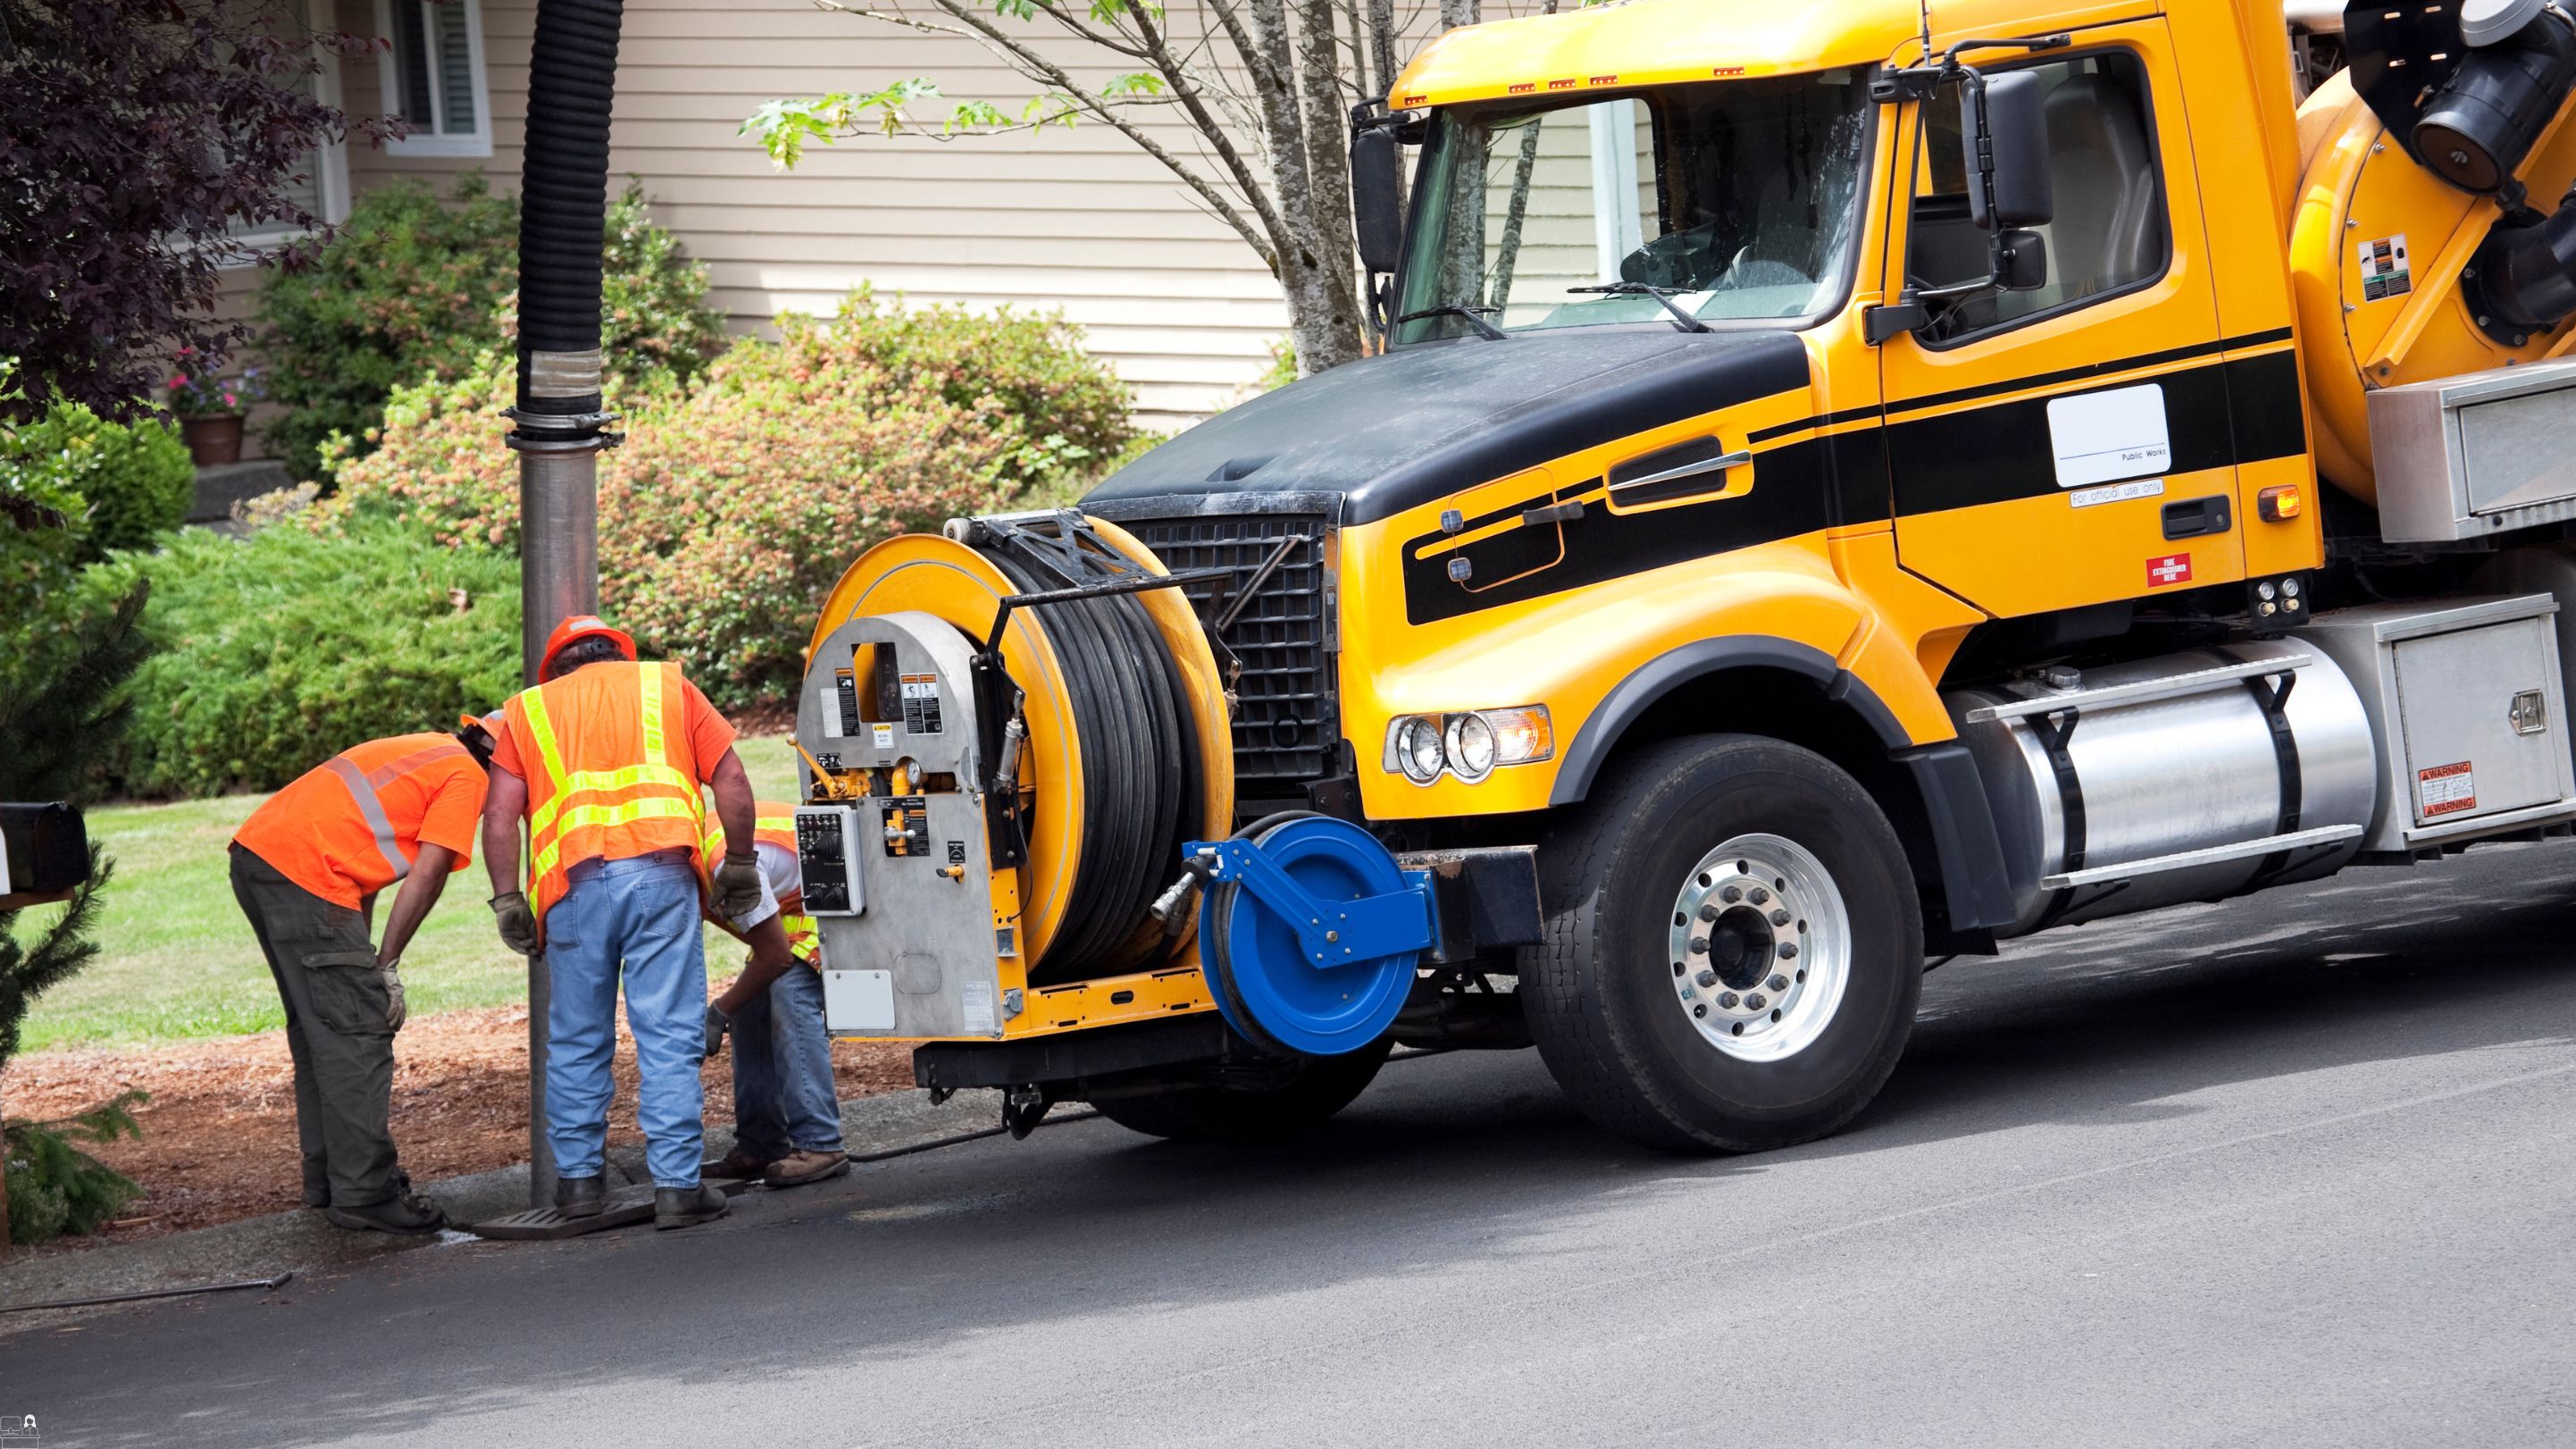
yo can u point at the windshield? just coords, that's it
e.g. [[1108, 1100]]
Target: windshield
[[1735, 195]]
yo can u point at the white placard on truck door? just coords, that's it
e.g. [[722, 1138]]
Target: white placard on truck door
[[2103, 436]]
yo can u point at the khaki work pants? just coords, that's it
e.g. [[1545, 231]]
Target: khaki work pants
[[338, 1015]]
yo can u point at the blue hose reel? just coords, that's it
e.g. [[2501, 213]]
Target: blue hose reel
[[1310, 933]]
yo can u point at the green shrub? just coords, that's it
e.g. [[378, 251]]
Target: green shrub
[[408, 288], [132, 482], [416, 287], [277, 650], [735, 504], [1071, 410]]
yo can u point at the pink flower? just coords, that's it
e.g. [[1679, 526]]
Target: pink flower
[[178, 382], [228, 400]]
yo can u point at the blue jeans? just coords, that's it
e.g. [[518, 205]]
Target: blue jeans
[[783, 1098], [641, 915]]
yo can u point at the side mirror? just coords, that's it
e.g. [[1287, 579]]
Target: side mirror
[[1377, 207], [2025, 262], [2013, 128]]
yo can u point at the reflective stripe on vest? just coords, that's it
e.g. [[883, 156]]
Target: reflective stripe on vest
[[777, 830], [550, 822], [363, 785]]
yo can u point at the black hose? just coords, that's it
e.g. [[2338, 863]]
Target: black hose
[[1142, 780], [563, 195]]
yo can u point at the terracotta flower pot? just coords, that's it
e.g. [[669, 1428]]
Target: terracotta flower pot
[[213, 441]]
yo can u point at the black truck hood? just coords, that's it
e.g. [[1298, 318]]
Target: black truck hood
[[1396, 431]]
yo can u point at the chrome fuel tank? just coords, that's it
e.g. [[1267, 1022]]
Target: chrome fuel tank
[[2186, 777]]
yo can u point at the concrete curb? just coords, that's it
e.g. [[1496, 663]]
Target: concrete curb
[[302, 1240]]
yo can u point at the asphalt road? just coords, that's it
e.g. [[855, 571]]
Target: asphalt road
[[2290, 1171]]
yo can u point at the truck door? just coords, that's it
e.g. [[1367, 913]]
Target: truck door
[[2069, 445]]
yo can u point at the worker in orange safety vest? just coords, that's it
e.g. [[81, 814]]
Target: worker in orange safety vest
[[603, 758], [307, 867], [787, 1116]]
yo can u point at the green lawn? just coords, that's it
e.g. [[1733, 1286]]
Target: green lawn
[[177, 960]]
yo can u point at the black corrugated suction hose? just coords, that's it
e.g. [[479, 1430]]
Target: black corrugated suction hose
[[563, 188], [1141, 774]]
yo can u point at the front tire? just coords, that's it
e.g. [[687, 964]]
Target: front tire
[[1733, 950], [1194, 1113]]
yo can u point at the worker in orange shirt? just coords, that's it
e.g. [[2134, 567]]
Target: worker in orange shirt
[[603, 758], [307, 867], [786, 1115]]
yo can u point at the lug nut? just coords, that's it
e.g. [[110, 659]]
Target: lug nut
[[1730, 895], [1699, 945], [1760, 895], [1707, 978], [1778, 983], [1708, 913], [1788, 951], [1728, 1000], [1779, 917], [1755, 1001]]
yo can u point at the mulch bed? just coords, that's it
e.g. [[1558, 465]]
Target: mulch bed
[[219, 1133]]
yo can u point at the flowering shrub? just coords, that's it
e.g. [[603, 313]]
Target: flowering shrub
[[195, 394], [733, 506]]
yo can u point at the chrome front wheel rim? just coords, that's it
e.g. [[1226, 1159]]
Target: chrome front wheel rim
[[1760, 948]]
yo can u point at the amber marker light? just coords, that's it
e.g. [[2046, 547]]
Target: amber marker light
[[2280, 503]]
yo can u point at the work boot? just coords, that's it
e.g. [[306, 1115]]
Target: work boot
[[679, 1207], [737, 1164], [801, 1167], [319, 1197], [404, 1212], [581, 1197]]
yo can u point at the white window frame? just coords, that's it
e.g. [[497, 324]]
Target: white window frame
[[432, 142], [330, 159]]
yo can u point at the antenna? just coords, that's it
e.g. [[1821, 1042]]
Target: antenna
[[1925, 7]]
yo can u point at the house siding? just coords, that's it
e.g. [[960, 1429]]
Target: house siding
[[1076, 220]]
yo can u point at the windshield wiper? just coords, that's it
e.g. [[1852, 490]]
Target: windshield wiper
[[1473, 314], [1681, 318]]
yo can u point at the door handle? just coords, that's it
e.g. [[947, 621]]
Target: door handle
[[2193, 517], [1687, 470]]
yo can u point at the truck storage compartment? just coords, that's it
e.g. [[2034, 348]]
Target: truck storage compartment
[[2465, 700], [2187, 777], [2461, 457]]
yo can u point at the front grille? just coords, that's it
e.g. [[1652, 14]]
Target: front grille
[[1285, 720]]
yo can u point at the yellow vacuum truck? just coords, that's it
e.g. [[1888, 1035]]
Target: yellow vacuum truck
[[1844, 485]]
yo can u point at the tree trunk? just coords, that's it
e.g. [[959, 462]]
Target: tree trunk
[[1328, 175], [1322, 326]]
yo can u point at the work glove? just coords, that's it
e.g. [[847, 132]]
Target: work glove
[[717, 1023], [396, 1012], [737, 886], [518, 923]]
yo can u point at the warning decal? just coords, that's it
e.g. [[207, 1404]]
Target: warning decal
[[2173, 568], [2384, 272], [921, 704], [2446, 789]]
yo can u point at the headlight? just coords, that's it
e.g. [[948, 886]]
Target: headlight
[[1417, 748], [1470, 744], [1471, 747]]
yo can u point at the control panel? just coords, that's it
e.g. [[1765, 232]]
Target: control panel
[[827, 862]]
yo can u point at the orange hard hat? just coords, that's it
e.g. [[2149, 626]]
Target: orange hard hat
[[581, 626]]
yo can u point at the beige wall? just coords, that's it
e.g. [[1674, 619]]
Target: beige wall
[[1073, 219]]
